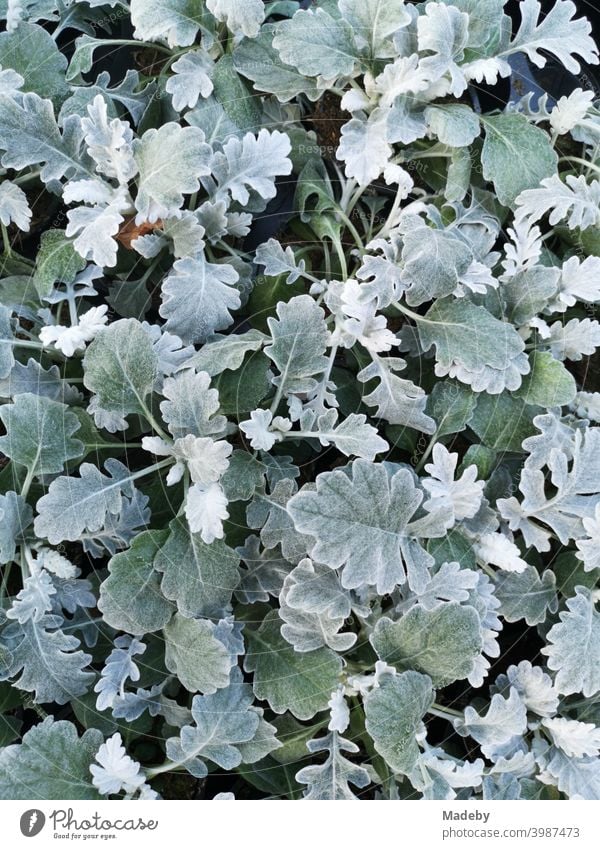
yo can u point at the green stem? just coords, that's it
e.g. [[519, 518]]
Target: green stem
[[353, 231], [156, 427], [6, 240], [339, 249], [27, 484], [414, 315], [580, 161], [427, 452], [444, 712], [25, 178]]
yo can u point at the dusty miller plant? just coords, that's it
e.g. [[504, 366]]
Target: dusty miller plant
[[318, 509]]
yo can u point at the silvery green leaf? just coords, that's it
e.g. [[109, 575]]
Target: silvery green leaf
[[533, 685], [194, 654], [555, 33], [406, 120], [275, 260], [374, 23], [120, 366], [516, 155], [226, 352], [269, 512], [451, 405], [398, 401], [264, 573], [241, 16], [39, 434], [200, 578], [437, 776], [352, 436], [51, 762], [576, 739], [317, 589], [463, 497], [57, 262], [288, 680], [486, 604], [251, 164], [30, 136], [15, 516], [528, 292], [577, 778], [130, 597], [434, 262], [184, 236], [48, 662], [130, 706], [307, 629], [574, 201], [170, 160], [300, 338], [74, 505], [94, 227], [362, 519], [176, 21], [32, 378], [331, 779], [119, 528], [575, 339], [222, 721], [458, 178], [526, 596], [197, 298], [130, 93], [548, 384], [244, 475], [364, 148], [258, 60], [473, 346], [502, 787], [393, 716], [505, 719], [449, 583], [191, 406], [34, 55], [503, 422], [34, 600], [443, 31], [573, 648], [455, 124], [118, 669], [191, 79], [7, 359], [443, 642], [263, 743], [168, 348], [575, 498], [317, 44], [14, 206]]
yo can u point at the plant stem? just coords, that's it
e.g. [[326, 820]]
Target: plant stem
[[353, 231], [6, 240], [339, 249], [27, 484], [156, 427], [580, 161], [25, 178], [427, 452], [444, 712]]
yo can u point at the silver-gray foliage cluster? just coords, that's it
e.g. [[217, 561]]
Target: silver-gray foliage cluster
[[324, 513]]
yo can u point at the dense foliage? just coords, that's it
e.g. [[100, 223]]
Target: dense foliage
[[300, 444]]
